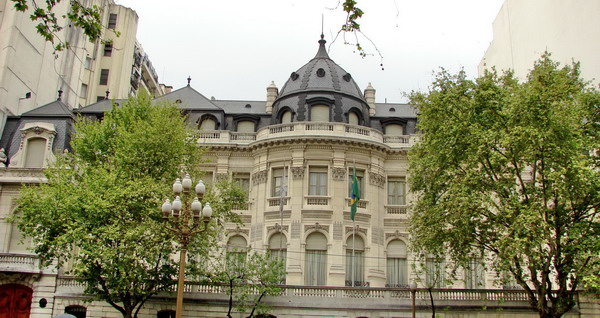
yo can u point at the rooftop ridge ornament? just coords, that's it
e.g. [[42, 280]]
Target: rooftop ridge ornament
[[107, 93], [322, 53], [60, 92], [189, 79]]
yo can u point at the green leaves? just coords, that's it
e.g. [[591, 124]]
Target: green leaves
[[511, 169], [49, 26], [99, 211]]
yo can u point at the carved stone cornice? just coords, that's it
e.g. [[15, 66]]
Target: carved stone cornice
[[358, 230], [237, 230], [315, 227], [259, 177], [396, 234], [298, 172], [338, 174], [376, 179], [277, 228]]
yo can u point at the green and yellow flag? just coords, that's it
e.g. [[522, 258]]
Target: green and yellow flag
[[355, 195]]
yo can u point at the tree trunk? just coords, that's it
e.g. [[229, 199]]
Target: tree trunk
[[432, 306], [230, 297]]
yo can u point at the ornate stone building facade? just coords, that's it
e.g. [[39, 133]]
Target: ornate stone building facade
[[294, 154]]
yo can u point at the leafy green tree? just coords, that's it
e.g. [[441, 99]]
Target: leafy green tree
[[511, 171], [100, 208], [248, 278]]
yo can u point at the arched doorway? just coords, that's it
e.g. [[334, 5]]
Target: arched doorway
[[15, 301]]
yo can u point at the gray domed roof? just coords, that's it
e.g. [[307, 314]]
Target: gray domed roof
[[321, 81], [321, 74]]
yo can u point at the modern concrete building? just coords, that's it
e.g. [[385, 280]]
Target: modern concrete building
[[31, 72], [525, 29], [299, 146]]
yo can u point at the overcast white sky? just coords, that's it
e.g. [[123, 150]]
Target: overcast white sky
[[233, 49]]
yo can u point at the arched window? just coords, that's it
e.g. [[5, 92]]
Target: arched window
[[236, 250], [397, 266], [278, 250], [245, 126], [315, 265], [208, 124], [34, 153], [286, 118], [76, 310], [319, 113], [355, 266], [353, 118], [394, 130], [168, 313]]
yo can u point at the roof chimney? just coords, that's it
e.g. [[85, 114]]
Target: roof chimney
[[272, 92], [370, 97]]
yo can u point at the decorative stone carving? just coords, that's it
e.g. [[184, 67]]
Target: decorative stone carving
[[396, 234], [277, 228], [3, 158], [295, 229], [315, 227], [298, 172], [259, 177], [376, 179], [237, 230], [337, 231], [358, 230], [338, 174]]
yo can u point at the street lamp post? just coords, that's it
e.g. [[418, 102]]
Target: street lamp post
[[183, 218], [413, 291]]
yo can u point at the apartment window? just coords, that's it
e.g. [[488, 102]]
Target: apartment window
[[279, 178], [475, 274], [245, 126], [87, 63], [108, 48], [84, 90], [319, 113], [394, 130], [355, 266], [360, 175], [278, 250], [112, 21], [243, 181], [315, 263], [317, 181], [286, 118], [396, 191], [208, 124], [435, 272], [397, 266], [353, 118], [104, 77], [36, 150], [236, 251]]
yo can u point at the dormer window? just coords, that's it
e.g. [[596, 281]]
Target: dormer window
[[208, 124], [353, 118], [286, 118], [319, 113], [246, 126]]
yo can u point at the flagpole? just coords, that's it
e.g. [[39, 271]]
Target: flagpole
[[353, 233]]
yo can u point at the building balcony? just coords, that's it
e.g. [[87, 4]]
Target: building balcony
[[21, 263], [400, 210], [331, 298], [340, 131]]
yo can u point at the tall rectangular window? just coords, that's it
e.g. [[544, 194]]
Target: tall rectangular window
[[396, 191], [278, 179], [243, 181], [108, 47], [104, 77], [360, 175], [475, 274], [84, 90], [317, 181], [112, 21], [435, 272]]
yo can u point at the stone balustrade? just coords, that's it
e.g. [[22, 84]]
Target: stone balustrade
[[305, 129], [22, 263]]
